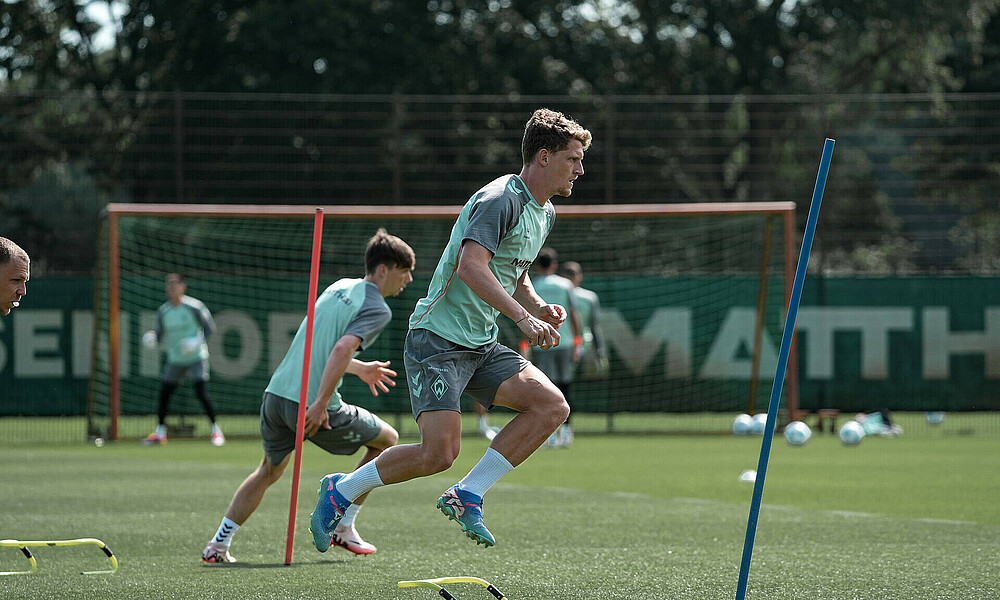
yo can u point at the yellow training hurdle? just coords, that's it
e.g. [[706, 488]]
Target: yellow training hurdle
[[438, 584], [24, 544]]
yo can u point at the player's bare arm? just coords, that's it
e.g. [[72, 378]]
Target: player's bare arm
[[526, 296], [474, 271], [376, 374], [336, 365]]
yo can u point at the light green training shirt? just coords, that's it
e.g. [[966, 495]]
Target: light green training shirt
[[349, 306], [588, 306], [505, 219], [556, 289], [174, 324]]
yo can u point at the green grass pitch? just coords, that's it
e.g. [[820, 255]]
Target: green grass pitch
[[614, 516]]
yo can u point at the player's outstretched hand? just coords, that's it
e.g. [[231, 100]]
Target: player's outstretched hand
[[377, 375], [538, 332], [553, 314]]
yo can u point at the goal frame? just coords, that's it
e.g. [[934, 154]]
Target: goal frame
[[786, 210]]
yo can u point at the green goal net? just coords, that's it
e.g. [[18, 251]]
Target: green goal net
[[681, 288]]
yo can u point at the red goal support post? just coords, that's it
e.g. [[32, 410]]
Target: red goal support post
[[692, 301]]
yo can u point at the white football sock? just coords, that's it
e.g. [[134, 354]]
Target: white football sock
[[490, 468], [224, 536], [364, 479], [349, 515]]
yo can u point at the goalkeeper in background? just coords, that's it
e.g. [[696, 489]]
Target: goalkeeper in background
[[182, 325]]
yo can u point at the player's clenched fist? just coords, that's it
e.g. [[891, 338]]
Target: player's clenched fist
[[538, 332], [553, 314]]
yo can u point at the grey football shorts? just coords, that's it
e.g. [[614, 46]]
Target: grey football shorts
[[438, 371], [557, 364], [196, 371], [351, 427]]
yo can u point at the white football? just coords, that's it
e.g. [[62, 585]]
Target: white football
[[742, 424], [934, 417], [190, 345], [797, 433], [759, 423], [851, 433]]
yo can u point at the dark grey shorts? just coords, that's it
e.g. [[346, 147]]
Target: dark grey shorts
[[438, 371], [351, 428], [558, 364], [197, 371]]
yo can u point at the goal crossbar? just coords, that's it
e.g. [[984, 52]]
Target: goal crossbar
[[433, 212]]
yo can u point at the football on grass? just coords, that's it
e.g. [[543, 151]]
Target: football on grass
[[742, 424], [797, 433], [851, 433], [934, 417]]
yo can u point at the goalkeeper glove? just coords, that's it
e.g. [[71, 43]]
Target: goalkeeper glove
[[149, 339]]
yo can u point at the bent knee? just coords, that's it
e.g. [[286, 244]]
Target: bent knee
[[392, 436], [270, 473], [436, 462], [386, 438], [553, 404], [559, 409]]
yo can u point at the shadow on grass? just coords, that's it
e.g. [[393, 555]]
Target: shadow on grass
[[247, 565]]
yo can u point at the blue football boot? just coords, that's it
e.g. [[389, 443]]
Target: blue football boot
[[329, 510], [466, 508]]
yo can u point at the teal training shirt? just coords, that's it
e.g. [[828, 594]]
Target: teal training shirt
[[174, 324], [505, 219], [349, 306], [555, 289], [586, 306]]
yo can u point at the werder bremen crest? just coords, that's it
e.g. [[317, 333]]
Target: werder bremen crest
[[439, 387]]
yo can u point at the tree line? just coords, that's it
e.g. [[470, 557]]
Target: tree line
[[581, 49]]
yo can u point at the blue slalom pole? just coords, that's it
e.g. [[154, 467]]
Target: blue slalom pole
[[779, 376]]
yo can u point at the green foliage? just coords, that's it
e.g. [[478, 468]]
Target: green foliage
[[577, 47], [580, 49]]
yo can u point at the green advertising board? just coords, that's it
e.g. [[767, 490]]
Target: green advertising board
[[904, 343]]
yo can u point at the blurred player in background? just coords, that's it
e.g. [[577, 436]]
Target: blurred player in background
[[879, 422], [594, 362], [349, 316], [485, 429], [182, 325], [15, 270], [452, 345], [558, 363]]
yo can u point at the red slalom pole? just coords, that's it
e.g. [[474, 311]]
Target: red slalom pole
[[304, 390]]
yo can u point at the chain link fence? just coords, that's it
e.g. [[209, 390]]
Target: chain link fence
[[913, 187]]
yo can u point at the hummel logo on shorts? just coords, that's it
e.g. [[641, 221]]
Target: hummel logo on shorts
[[416, 385]]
